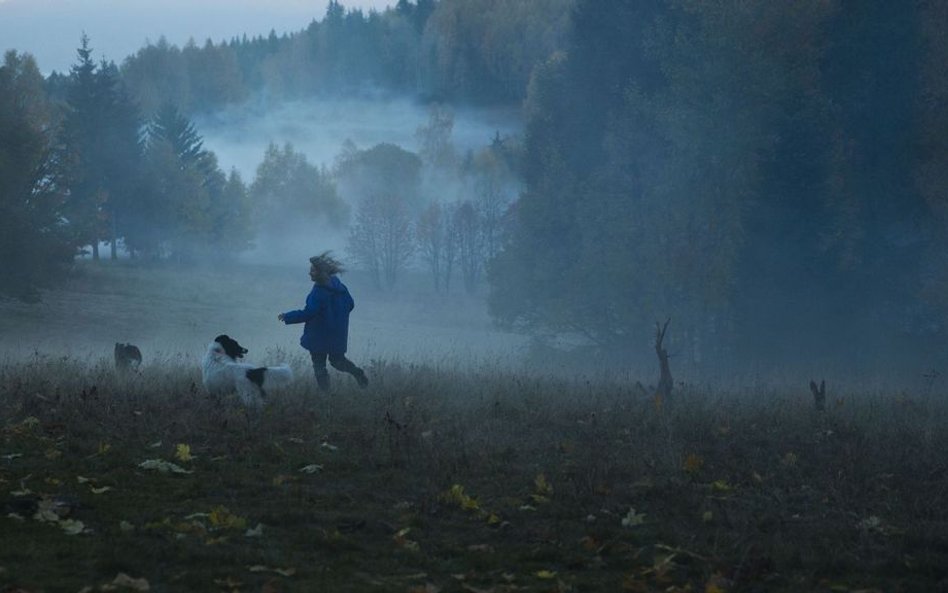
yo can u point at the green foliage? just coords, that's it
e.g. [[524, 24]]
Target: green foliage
[[101, 150], [187, 207], [288, 186], [715, 162], [382, 169], [472, 50], [34, 246]]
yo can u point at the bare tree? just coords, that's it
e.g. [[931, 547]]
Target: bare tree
[[492, 191], [467, 226], [436, 244], [381, 237], [665, 382]]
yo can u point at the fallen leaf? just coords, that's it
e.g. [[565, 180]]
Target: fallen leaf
[[222, 518], [163, 466], [73, 527], [255, 532], [457, 496], [541, 485], [287, 572], [545, 574], [693, 463], [182, 453], [313, 468], [328, 447], [632, 518], [101, 490], [123, 580]]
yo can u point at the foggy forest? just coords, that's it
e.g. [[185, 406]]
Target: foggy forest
[[648, 295]]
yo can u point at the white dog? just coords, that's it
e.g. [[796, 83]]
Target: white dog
[[223, 374]]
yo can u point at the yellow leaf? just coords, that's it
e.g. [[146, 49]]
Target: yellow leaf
[[542, 486], [457, 496], [693, 463], [104, 448], [223, 518], [182, 452], [545, 574], [493, 519], [658, 402], [721, 486]]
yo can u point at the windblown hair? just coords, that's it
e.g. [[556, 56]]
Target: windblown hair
[[326, 265]]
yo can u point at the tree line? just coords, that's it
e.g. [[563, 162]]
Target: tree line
[[770, 175], [91, 169], [447, 51]]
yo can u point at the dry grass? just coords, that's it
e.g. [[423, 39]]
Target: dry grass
[[743, 492]]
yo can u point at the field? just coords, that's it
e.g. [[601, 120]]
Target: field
[[441, 477]]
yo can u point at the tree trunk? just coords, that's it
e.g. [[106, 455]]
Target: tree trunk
[[665, 382], [113, 250]]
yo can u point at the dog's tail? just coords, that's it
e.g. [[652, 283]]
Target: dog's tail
[[277, 376]]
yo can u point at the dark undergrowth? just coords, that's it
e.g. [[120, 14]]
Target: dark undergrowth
[[451, 480]]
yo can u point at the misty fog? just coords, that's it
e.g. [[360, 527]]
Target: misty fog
[[318, 127]]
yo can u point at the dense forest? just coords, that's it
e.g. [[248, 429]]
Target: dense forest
[[771, 176]]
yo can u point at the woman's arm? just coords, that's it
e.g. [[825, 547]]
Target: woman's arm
[[313, 305]]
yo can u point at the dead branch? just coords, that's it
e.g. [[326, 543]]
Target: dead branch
[[819, 395], [665, 382]]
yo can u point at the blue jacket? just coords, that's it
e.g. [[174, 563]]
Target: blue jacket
[[326, 317]]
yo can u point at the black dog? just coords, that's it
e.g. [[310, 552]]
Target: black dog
[[127, 357]]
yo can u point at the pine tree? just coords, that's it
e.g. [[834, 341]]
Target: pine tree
[[34, 246]]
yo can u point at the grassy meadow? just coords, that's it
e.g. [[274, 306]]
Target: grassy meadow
[[439, 477]]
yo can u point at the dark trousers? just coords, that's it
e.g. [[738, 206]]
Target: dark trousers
[[338, 362]]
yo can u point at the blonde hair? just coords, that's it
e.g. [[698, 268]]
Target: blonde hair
[[325, 266]]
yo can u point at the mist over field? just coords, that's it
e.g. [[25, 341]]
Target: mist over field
[[319, 127]]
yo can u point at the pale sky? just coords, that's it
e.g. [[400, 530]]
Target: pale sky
[[50, 29]]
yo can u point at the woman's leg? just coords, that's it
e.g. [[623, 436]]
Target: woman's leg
[[341, 363], [319, 367]]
